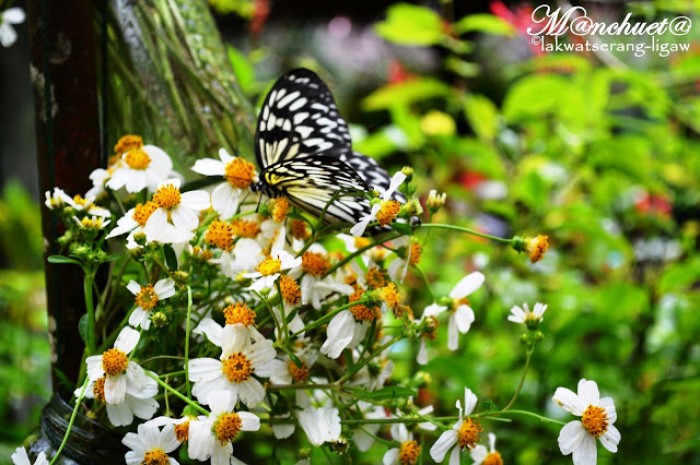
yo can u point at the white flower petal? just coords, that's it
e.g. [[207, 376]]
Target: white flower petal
[[464, 317], [209, 167], [571, 436], [14, 15], [588, 392], [586, 453], [467, 285], [569, 401], [611, 438], [127, 340], [445, 442]]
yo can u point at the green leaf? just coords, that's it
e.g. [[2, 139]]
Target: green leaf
[[170, 257], [390, 392], [243, 69], [411, 25], [405, 92], [488, 24], [82, 327], [482, 115], [63, 259], [461, 67]]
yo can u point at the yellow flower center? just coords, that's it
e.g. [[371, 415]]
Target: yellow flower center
[[147, 298], [269, 266], [245, 228], [227, 427], [78, 199], [536, 247], [137, 159], [114, 362], [458, 302], [92, 223], [314, 263], [291, 292], [155, 457], [280, 208], [201, 254], [239, 173], [220, 234], [143, 211], [239, 313], [388, 211], [299, 229], [416, 252], [362, 312], [182, 431], [493, 458], [128, 142], [361, 242], [98, 390], [409, 451], [167, 197], [237, 368], [468, 434], [595, 421], [430, 331], [299, 373], [375, 278], [390, 295]]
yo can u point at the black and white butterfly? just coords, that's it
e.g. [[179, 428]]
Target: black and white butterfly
[[304, 151]]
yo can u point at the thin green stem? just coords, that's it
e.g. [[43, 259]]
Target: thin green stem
[[466, 231], [71, 420], [90, 309], [528, 355], [187, 341], [177, 394]]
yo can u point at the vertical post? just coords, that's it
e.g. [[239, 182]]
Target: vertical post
[[64, 74]]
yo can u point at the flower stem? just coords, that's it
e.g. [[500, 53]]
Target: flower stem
[[90, 310], [466, 231], [177, 393], [528, 355], [71, 420], [187, 341]]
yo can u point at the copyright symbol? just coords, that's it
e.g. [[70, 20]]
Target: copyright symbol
[[536, 40], [680, 25]]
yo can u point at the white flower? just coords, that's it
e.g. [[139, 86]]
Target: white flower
[[480, 453], [7, 19], [461, 315], [320, 424], [407, 452], [525, 315], [99, 178], [134, 221], [359, 228], [20, 457], [343, 332], [238, 174], [147, 298], [399, 266], [464, 433], [151, 445], [233, 373], [177, 209], [268, 270], [597, 419], [363, 436], [210, 437], [91, 222], [141, 168], [244, 257]]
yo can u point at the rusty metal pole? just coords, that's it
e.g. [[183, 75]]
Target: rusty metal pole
[[64, 74]]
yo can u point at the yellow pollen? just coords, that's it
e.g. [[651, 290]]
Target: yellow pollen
[[291, 292], [416, 251], [375, 278], [457, 302], [595, 421], [245, 228], [201, 254], [536, 247], [220, 234], [155, 457], [182, 431], [269, 266], [468, 434], [237, 368], [167, 197], [361, 242], [280, 208], [493, 458], [388, 211], [147, 298], [409, 451], [362, 312], [390, 295], [143, 211], [78, 199], [114, 362], [98, 390], [239, 313], [137, 159], [239, 173], [128, 142], [94, 223], [299, 373], [314, 263], [227, 427], [299, 229]]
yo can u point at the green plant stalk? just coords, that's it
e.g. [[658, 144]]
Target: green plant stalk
[[187, 341], [88, 283], [466, 231], [71, 421], [528, 356], [177, 394]]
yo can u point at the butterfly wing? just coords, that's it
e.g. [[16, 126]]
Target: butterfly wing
[[370, 171], [299, 117]]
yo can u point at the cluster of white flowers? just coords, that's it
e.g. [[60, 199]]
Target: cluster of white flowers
[[240, 314]]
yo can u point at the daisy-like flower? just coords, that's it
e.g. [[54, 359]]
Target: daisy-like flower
[[175, 208], [238, 173], [135, 220], [269, 269], [463, 435], [483, 456], [150, 445], [233, 373], [11, 16], [349, 326], [383, 211], [91, 222], [531, 318], [141, 167], [121, 383], [598, 416], [320, 424], [210, 437], [20, 457], [408, 451], [245, 257], [147, 297], [408, 254], [461, 314], [80, 204]]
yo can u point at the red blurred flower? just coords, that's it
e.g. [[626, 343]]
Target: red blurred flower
[[520, 18], [653, 205], [397, 72], [261, 11]]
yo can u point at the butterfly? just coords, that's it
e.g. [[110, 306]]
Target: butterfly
[[304, 150]]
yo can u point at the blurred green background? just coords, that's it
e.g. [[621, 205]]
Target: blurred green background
[[598, 150]]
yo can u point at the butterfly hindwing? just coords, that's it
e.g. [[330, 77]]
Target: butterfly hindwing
[[371, 172]]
